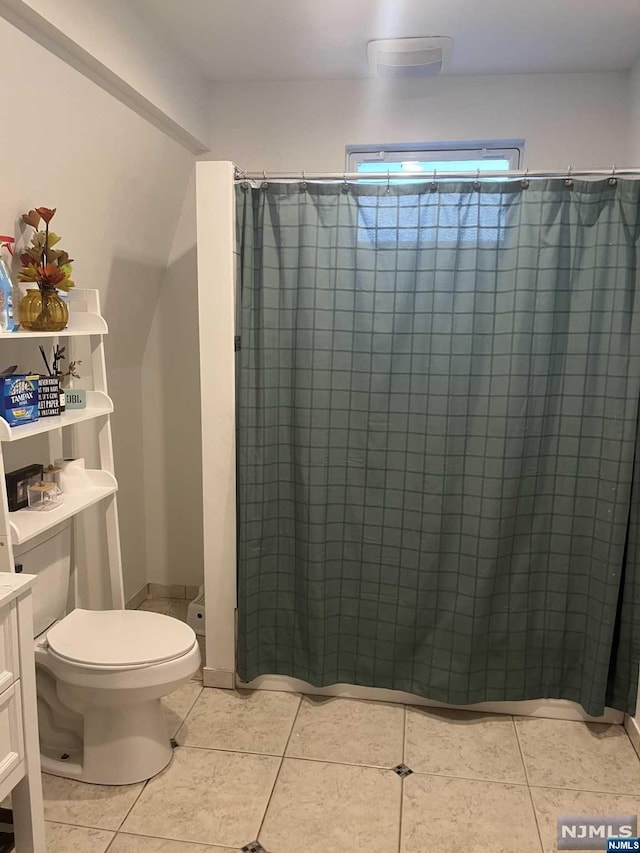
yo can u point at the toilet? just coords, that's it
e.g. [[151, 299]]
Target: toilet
[[100, 675]]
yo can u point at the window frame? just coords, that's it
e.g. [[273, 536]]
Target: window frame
[[430, 152]]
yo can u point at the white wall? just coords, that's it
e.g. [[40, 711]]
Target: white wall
[[634, 101], [566, 119], [171, 401], [113, 44], [119, 185]]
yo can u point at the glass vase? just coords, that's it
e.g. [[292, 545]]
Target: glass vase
[[43, 311]]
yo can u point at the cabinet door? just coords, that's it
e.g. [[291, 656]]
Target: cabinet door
[[11, 740], [9, 665]]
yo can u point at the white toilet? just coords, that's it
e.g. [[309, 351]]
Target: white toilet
[[100, 676]]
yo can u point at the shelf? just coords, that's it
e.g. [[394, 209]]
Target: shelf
[[27, 523], [98, 404], [84, 319], [80, 323]]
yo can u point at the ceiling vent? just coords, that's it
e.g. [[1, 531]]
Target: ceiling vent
[[408, 57]]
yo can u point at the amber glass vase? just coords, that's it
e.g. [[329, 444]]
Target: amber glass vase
[[43, 311]]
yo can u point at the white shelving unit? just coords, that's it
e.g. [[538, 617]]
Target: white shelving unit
[[16, 528], [98, 404]]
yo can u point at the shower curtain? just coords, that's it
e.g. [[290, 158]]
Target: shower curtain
[[437, 438]]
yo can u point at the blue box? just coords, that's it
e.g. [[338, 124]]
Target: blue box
[[19, 398], [618, 844]]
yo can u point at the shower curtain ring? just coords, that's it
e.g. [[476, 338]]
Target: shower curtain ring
[[613, 180], [524, 183], [433, 186], [476, 183], [567, 181], [388, 181], [264, 185], [345, 185], [303, 183]]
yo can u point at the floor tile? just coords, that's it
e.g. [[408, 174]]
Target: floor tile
[[242, 720], [549, 803], [100, 806], [449, 815], [463, 744], [348, 731], [584, 756], [142, 844], [179, 610], [206, 795], [332, 808], [157, 605], [61, 838], [177, 705]]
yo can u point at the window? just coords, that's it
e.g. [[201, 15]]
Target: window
[[402, 223], [496, 156]]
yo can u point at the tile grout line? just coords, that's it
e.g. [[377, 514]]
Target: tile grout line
[[404, 736], [109, 845], [402, 780], [526, 776], [277, 776], [188, 713], [292, 757], [204, 844], [332, 761], [128, 812], [153, 777], [137, 798], [585, 791], [626, 731]]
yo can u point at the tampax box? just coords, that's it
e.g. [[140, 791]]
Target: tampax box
[[19, 398]]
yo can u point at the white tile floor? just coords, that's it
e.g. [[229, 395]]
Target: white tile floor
[[304, 775]]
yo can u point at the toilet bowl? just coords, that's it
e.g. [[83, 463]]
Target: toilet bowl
[[101, 676]]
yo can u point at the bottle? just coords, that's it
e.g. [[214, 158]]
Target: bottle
[[7, 321]]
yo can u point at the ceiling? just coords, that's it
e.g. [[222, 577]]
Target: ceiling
[[322, 39]]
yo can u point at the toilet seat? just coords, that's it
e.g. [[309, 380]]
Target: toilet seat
[[119, 639]]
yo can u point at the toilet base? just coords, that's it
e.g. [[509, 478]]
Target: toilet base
[[120, 748]]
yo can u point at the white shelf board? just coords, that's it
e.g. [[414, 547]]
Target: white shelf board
[[27, 523], [80, 323], [98, 404]]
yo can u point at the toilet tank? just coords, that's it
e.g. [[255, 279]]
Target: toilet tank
[[47, 556]]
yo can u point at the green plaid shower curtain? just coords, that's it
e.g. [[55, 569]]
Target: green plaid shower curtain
[[437, 434]]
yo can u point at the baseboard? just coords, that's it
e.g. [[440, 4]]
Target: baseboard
[[632, 726], [172, 590], [136, 600], [224, 678], [556, 709]]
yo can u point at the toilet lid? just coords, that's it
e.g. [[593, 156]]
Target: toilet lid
[[120, 638]]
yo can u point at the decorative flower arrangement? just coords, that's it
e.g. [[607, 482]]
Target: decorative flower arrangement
[[42, 264]]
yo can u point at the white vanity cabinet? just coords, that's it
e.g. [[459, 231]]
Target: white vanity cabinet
[[19, 745]]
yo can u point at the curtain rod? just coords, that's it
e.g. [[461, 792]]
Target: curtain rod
[[526, 174]]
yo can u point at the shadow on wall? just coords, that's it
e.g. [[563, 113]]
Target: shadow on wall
[[129, 306], [180, 369]]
